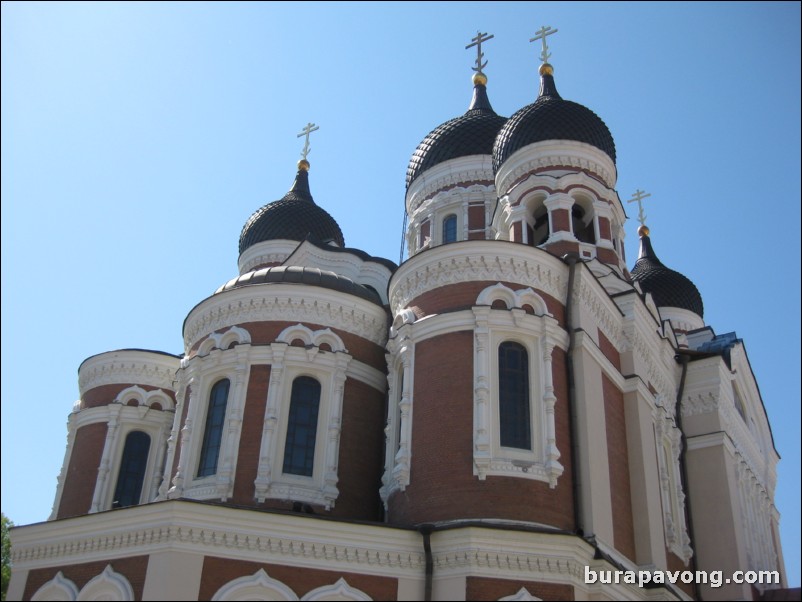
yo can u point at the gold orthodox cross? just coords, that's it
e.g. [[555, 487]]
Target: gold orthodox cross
[[638, 198], [310, 127], [541, 34], [477, 41]]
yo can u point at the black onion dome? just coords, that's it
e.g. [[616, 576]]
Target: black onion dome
[[551, 118], [668, 288], [293, 217], [470, 134], [301, 275]]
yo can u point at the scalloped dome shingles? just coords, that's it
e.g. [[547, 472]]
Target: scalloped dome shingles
[[472, 133], [551, 118], [668, 287], [293, 217]]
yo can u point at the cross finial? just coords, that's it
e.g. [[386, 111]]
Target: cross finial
[[477, 41], [308, 129], [541, 34], [638, 198]]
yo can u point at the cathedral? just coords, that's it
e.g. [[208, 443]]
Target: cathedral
[[515, 412]]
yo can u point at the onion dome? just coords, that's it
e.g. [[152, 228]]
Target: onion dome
[[668, 288], [551, 118], [302, 275], [295, 216], [470, 134]]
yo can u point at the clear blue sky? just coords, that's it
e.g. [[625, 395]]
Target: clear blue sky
[[137, 138]]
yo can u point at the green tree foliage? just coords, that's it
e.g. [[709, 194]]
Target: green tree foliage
[[6, 555]]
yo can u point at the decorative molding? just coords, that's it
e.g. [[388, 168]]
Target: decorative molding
[[337, 591], [264, 253], [521, 596], [144, 398], [259, 586], [311, 338], [472, 261], [280, 302], [223, 340], [398, 432], [109, 585], [58, 588], [464, 172], [128, 366], [560, 154]]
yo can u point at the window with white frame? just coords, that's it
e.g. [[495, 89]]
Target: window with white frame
[[213, 431], [514, 400], [133, 466], [299, 446], [450, 228]]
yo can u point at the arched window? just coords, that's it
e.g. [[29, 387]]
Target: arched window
[[513, 396], [132, 470], [213, 434], [299, 449], [539, 232], [450, 229]]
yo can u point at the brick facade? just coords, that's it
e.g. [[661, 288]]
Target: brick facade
[[442, 484], [133, 568], [81, 475]]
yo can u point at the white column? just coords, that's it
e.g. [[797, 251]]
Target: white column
[[267, 451]]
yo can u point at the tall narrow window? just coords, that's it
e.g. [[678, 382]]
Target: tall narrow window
[[450, 229], [513, 396], [299, 450], [132, 470], [213, 434]]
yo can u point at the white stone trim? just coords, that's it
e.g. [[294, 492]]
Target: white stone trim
[[121, 420], [559, 154], [488, 260], [144, 398], [280, 302], [330, 370], [269, 251], [259, 586], [522, 595], [538, 335], [398, 432], [128, 366], [223, 340], [59, 588], [681, 319], [366, 272], [513, 298], [470, 170], [336, 591], [668, 441], [314, 338], [200, 374], [109, 585]]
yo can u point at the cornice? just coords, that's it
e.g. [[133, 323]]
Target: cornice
[[462, 171], [128, 366], [286, 303], [485, 260]]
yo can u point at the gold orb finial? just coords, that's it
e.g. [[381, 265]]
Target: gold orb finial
[[546, 69], [643, 231], [303, 165], [479, 79]]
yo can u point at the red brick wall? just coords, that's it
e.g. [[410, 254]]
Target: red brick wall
[[442, 484], [604, 228], [134, 569], [476, 216], [455, 297], [250, 441], [219, 571], [609, 350], [484, 588], [618, 458], [81, 476], [561, 220], [105, 394]]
